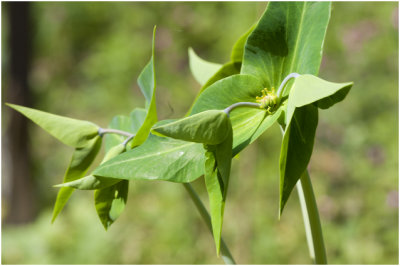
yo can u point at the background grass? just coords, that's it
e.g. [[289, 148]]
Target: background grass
[[87, 57]]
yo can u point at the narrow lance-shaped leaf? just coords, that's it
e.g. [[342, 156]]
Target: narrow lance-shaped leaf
[[217, 173], [81, 160], [309, 89], [147, 83], [209, 127], [72, 132], [201, 69], [91, 182], [296, 149]]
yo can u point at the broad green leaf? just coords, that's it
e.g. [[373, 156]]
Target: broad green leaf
[[228, 69], [72, 132], [111, 201], [209, 127], [201, 69], [217, 172], [296, 149], [158, 158], [96, 182], [129, 124], [309, 89], [81, 160], [245, 120], [147, 83], [288, 38], [238, 47]]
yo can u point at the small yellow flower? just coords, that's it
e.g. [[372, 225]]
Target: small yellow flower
[[268, 100]]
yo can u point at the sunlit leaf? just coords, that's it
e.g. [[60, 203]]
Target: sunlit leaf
[[309, 89], [147, 83], [72, 132], [201, 69], [209, 127], [159, 158]]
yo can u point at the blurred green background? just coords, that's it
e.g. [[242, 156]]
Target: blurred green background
[[85, 61]]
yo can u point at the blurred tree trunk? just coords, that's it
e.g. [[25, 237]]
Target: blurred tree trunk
[[20, 204]]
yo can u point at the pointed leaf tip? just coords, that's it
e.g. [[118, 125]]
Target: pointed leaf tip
[[72, 132]]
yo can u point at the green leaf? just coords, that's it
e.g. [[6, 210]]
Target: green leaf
[[209, 127], [147, 83], [245, 120], [158, 158], [72, 132], [238, 47], [296, 149], [288, 38], [120, 122], [309, 89], [201, 69], [226, 70], [217, 173], [129, 124], [81, 160], [111, 201], [90, 182], [215, 196], [96, 182]]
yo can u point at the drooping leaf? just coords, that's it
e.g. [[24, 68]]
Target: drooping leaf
[[217, 173], [72, 132], [147, 83], [91, 182], [111, 201], [201, 69], [296, 149], [309, 89], [81, 160], [158, 158], [238, 47], [288, 38], [209, 127], [215, 196]]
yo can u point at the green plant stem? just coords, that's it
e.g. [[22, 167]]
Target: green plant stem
[[103, 131], [311, 219], [225, 253]]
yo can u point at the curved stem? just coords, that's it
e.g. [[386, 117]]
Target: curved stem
[[311, 219], [103, 131], [225, 253], [288, 77], [240, 104]]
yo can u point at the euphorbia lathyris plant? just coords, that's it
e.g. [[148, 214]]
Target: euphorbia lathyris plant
[[271, 78]]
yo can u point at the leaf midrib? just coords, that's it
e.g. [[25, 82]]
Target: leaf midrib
[[147, 156]]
